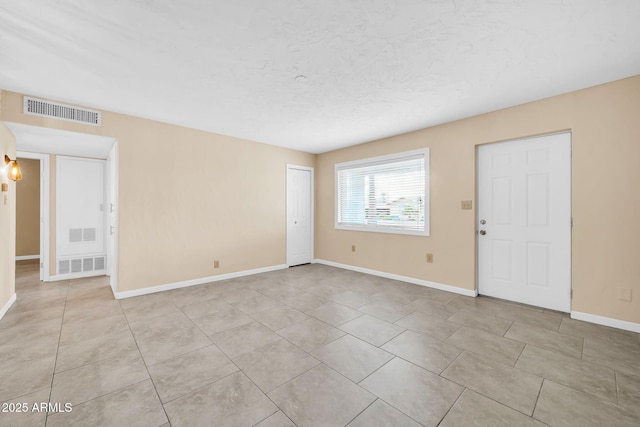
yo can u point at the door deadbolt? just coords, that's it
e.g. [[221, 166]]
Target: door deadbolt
[[482, 232], [483, 222]]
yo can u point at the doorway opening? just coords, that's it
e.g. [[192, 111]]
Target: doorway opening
[[51, 147]]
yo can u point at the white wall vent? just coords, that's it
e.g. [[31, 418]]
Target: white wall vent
[[64, 267], [75, 235], [56, 110], [82, 265]]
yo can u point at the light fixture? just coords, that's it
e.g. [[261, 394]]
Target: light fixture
[[13, 169]]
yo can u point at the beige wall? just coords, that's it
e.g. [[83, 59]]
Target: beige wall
[[187, 198], [28, 208], [7, 223], [605, 200]]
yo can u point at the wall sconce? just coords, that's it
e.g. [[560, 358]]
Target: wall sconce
[[13, 169]]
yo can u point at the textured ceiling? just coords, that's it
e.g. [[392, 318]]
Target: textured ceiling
[[308, 74]]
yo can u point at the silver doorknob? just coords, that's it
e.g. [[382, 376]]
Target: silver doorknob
[[482, 232]]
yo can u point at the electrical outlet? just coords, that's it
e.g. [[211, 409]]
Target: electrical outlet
[[353, 248], [624, 294], [466, 204], [216, 264], [430, 258]]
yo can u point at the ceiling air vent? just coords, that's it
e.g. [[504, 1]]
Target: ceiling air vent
[[56, 110]]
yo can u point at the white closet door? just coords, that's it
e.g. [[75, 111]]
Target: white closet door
[[80, 216]]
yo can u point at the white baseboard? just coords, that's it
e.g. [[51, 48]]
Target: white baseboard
[[440, 286], [7, 306], [606, 321], [194, 282], [25, 257]]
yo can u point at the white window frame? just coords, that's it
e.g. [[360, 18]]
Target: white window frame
[[381, 160]]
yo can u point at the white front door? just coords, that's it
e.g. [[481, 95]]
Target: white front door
[[299, 215], [524, 221]]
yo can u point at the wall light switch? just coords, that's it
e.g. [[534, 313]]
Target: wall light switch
[[5, 187], [216, 264], [466, 204], [430, 258], [353, 248]]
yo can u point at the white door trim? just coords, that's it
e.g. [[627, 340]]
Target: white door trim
[[477, 218], [44, 209], [312, 196], [112, 203]]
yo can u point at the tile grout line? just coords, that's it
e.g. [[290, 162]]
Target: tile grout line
[[361, 412], [146, 368], [451, 407], [615, 383], [53, 374], [538, 397]]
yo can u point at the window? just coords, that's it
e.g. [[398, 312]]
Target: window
[[388, 194]]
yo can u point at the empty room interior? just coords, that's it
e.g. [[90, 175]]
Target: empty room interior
[[299, 213]]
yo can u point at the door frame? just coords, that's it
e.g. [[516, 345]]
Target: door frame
[[112, 220], [312, 220], [477, 212], [44, 208]]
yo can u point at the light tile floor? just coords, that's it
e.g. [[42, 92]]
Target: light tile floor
[[308, 346]]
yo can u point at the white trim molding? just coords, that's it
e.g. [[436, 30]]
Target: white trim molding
[[606, 321], [26, 257], [428, 284], [7, 306], [194, 282]]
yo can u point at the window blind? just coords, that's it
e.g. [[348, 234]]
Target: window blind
[[386, 194]]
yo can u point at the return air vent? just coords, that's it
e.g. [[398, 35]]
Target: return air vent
[[56, 110], [82, 265]]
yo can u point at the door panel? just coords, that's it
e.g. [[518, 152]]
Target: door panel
[[299, 216], [524, 214], [80, 216]]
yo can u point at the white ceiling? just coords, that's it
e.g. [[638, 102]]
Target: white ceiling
[[36, 139], [308, 74]]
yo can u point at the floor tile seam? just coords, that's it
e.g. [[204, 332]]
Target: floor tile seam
[[91, 362], [194, 390], [451, 407], [338, 326], [180, 355], [141, 319], [428, 335], [421, 367], [542, 346], [376, 370], [455, 359], [271, 415], [274, 330], [475, 390], [53, 373], [248, 352], [538, 396], [280, 304], [102, 395], [144, 362], [172, 329], [25, 394], [266, 394], [390, 339], [361, 412], [615, 381], [309, 352], [520, 355]]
